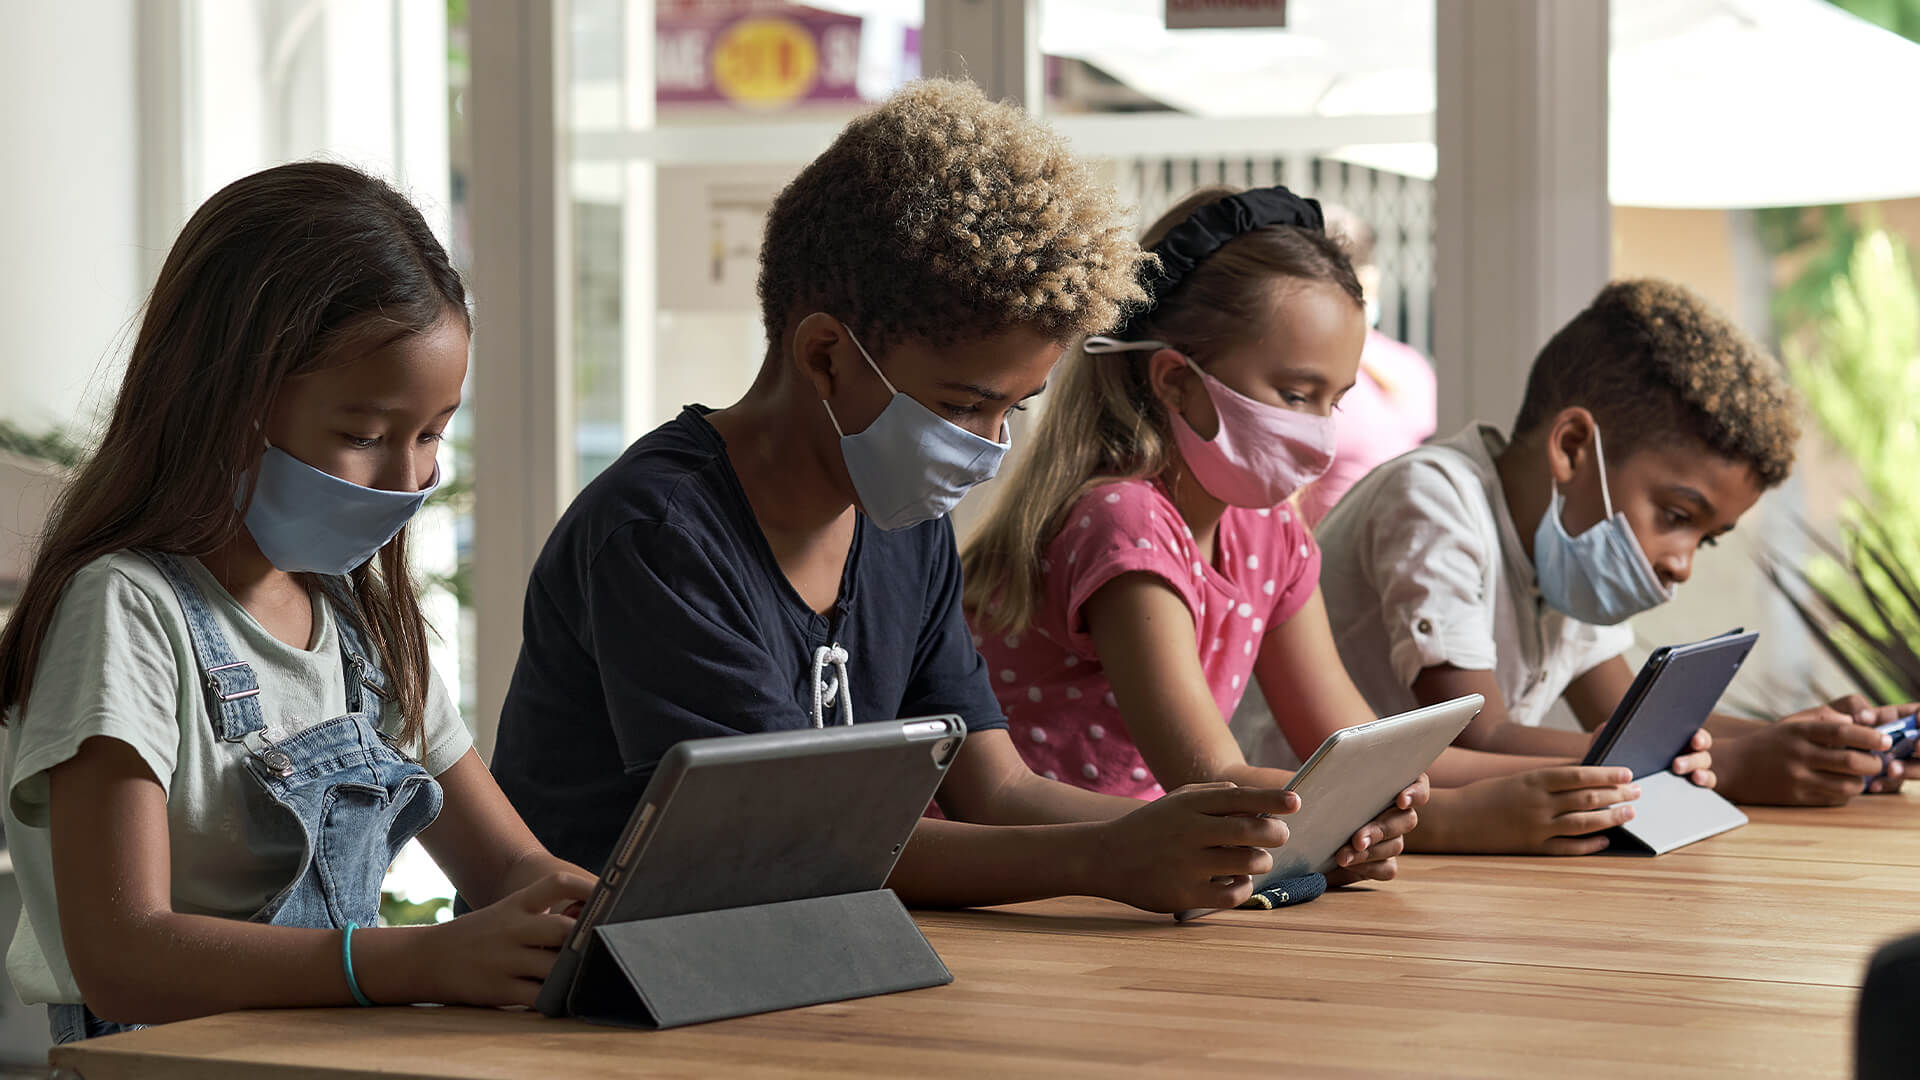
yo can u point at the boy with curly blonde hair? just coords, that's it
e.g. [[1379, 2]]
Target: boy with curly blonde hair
[[1469, 566], [787, 560]]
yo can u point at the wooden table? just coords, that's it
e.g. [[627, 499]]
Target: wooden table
[[1737, 957]]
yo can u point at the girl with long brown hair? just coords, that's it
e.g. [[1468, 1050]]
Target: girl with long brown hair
[[221, 720], [1145, 563]]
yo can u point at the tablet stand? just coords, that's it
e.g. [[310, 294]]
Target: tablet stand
[[1672, 812], [711, 965]]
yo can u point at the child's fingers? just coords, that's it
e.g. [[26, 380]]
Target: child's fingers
[[1702, 740], [1375, 870], [1574, 845], [1416, 794], [1845, 762], [1687, 763], [543, 931], [1386, 850], [1841, 733], [1569, 777], [1396, 823], [1582, 800], [1259, 832], [1229, 800], [1703, 778], [523, 992], [554, 889], [1235, 862], [535, 964], [1592, 821]]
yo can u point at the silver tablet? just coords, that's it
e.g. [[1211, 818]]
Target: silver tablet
[[742, 820], [1356, 774]]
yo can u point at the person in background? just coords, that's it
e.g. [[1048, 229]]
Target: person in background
[[1390, 409]]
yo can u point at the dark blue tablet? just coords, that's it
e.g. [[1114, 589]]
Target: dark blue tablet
[[1672, 696]]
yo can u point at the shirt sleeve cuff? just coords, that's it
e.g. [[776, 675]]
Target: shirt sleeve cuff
[[1425, 642]]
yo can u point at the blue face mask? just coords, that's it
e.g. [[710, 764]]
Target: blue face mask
[[309, 521], [910, 465], [1601, 576]]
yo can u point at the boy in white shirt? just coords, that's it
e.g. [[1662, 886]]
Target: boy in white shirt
[[1507, 568]]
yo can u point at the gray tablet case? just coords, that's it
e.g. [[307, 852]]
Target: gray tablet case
[[752, 878], [1671, 697]]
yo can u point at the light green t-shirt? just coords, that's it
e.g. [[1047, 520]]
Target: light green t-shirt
[[117, 662]]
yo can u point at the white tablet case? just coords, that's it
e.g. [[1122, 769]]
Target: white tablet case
[[1672, 812]]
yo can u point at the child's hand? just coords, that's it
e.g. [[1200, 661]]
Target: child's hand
[[1543, 812], [1200, 846], [1866, 712], [1697, 764], [1369, 856], [1821, 757], [500, 954]]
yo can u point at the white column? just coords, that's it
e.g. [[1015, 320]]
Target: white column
[[1523, 225], [69, 207], [639, 237], [522, 374], [995, 43]]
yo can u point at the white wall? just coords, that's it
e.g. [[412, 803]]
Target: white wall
[[70, 270]]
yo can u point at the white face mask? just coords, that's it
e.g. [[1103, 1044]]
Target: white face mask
[[910, 465], [1601, 576]]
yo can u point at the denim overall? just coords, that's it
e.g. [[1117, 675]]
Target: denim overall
[[340, 789]]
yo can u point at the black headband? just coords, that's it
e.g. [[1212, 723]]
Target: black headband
[[1209, 228]]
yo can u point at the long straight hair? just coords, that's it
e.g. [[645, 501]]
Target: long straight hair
[[266, 281], [1101, 420]]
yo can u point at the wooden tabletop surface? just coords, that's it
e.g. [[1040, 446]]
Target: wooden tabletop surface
[[1737, 957]]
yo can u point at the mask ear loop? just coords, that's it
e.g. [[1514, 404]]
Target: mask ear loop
[[1599, 453], [868, 357], [864, 355]]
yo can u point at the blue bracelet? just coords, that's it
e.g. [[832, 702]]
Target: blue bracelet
[[346, 961]]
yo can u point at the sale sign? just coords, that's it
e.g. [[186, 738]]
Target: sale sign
[[762, 60]]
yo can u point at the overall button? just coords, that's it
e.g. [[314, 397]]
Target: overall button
[[278, 761]]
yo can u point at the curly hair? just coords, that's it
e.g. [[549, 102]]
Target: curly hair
[[1657, 367], [941, 216]]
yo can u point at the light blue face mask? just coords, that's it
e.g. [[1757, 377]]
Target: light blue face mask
[[1601, 576], [910, 465], [309, 521]]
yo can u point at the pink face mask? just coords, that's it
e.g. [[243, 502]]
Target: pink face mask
[[1262, 453]]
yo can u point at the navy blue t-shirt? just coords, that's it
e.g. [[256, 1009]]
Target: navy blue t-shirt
[[657, 613]]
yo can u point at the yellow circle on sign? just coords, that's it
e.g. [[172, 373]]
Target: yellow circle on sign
[[765, 62]]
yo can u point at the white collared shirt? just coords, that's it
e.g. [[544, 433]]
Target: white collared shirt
[[1422, 566]]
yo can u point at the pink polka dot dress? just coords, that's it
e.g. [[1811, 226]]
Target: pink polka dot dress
[[1059, 705]]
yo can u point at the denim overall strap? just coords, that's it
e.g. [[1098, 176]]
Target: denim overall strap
[[233, 691], [360, 660]]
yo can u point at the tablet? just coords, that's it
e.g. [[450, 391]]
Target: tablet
[[1357, 773], [743, 820], [1670, 698]]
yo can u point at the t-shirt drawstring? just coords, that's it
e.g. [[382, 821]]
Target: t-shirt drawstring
[[827, 690]]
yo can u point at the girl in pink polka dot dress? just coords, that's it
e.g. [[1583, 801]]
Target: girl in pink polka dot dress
[[1145, 563], [1052, 686]]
